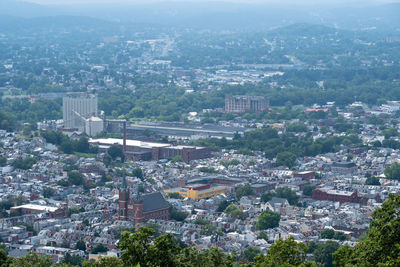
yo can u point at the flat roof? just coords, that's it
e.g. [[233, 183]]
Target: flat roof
[[36, 207], [176, 189], [188, 128], [339, 192], [112, 141], [212, 188]]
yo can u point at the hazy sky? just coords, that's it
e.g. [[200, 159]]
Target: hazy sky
[[296, 2]]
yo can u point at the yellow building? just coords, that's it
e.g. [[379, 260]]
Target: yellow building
[[199, 192]]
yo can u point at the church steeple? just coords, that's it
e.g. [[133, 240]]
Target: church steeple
[[123, 200], [137, 195], [123, 186]]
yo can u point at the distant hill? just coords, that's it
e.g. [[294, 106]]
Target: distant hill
[[304, 29], [12, 24], [218, 15], [25, 9]]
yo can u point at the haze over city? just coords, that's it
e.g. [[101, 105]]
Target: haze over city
[[199, 133]]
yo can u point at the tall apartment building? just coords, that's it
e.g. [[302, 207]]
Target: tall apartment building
[[242, 103], [77, 109]]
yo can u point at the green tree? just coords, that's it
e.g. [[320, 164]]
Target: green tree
[[323, 253], [373, 180], [175, 195], [67, 147], [390, 132], [289, 194], [86, 223], [393, 171], [340, 236], [4, 259], [137, 249], [268, 219], [137, 172], [250, 253], [208, 169], [75, 178], [141, 188], [48, 192], [327, 233], [107, 160], [99, 248], [24, 164], [32, 259], [177, 215], [245, 190], [296, 127], [176, 159], [7, 121], [80, 245], [287, 159], [211, 257], [83, 145], [263, 235], [235, 212], [267, 196], [115, 151], [74, 260], [382, 245], [104, 262], [222, 205], [208, 230], [283, 253], [3, 161], [307, 190], [27, 130]]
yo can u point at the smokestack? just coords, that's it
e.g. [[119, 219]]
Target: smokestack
[[124, 142]]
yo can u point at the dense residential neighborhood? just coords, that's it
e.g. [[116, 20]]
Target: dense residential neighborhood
[[51, 201], [199, 133]]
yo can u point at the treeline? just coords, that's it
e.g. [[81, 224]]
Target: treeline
[[170, 102], [14, 110], [145, 248], [268, 141], [7, 121], [67, 145]]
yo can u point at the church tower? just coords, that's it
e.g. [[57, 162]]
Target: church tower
[[123, 200], [138, 216]]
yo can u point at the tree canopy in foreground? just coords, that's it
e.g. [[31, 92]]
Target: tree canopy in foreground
[[142, 248]]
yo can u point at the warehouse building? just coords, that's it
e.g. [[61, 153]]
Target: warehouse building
[[139, 150]]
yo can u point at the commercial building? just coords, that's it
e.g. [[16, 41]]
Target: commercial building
[[242, 103], [204, 187], [331, 194], [199, 191], [53, 212], [93, 126], [334, 195], [344, 168], [175, 130], [260, 188], [138, 150]]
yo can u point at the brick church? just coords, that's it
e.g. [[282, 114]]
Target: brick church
[[141, 208]]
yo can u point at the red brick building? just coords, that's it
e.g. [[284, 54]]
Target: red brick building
[[142, 208], [305, 175], [139, 150], [335, 195]]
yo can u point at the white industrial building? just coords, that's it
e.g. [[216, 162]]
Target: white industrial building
[[80, 112]]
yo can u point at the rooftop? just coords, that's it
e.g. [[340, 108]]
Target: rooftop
[[36, 207]]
